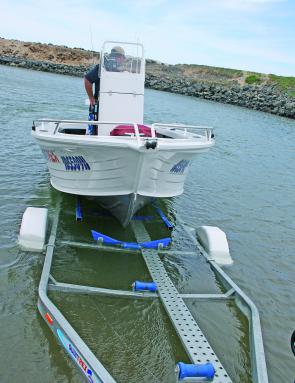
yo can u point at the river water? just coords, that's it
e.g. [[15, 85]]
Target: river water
[[245, 185]]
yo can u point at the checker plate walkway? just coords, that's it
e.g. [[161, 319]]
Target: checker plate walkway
[[189, 332]]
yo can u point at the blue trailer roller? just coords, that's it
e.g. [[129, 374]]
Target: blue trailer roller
[[165, 242], [202, 371], [144, 286], [130, 245]]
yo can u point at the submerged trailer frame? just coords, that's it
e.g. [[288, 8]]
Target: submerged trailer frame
[[192, 338]]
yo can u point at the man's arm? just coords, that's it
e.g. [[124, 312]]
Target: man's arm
[[90, 78], [89, 91]]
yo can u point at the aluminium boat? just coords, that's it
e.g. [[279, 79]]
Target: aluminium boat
[[126, 163]]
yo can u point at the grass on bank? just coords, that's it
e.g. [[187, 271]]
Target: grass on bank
[[212, 70], [285, 83], [253, 79]]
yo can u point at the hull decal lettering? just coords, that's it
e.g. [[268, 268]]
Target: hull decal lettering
[[180, 167], [75, 163]]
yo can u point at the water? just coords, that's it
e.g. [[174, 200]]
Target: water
[[245, 185]]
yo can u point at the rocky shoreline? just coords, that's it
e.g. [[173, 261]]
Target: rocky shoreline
[[44, 66], [263, 97]]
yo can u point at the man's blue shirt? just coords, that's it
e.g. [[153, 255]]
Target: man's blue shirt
[[93, 77]]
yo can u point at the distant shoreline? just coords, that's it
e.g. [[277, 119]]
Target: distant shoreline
[[268, 93]]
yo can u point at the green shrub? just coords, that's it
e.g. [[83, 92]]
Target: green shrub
[[253, 79]]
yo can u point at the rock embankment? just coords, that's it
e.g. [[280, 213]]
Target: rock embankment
[[44, 66], [266, 98], [209, 83]]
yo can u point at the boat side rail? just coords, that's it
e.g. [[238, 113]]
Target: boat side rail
[[136, 126], [206, 130]]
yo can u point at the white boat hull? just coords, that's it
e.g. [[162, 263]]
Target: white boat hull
[[123, 207], [121, 171]]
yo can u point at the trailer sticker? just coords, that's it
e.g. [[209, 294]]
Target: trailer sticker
[[76, 357], [50, 156], [180, 167], [75, 163]]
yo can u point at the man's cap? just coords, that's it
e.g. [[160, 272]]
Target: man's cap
[[118, 51]]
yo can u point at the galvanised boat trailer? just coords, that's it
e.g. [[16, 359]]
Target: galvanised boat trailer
[[212, 244]]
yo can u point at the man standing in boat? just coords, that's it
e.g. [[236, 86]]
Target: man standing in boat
[[112, 62]]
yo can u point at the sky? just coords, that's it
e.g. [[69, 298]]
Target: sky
[[254, 35]]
